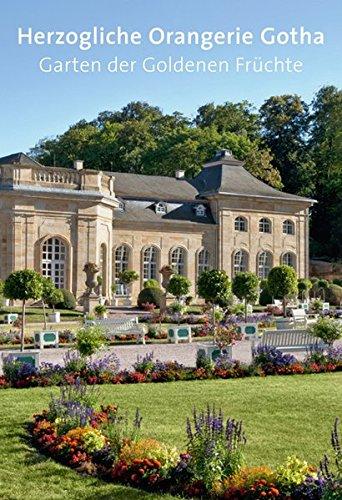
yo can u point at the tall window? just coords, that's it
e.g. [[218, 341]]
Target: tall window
[[288, 227], [150, 261], [54, 261], [289, 259], [121, 261], [264, 264], [202, 261], [265, 225], [240, 261], [178, 260], [240, 224]]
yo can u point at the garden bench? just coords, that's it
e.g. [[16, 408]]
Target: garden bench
[[123, 325], [299, 317], [291, 340]]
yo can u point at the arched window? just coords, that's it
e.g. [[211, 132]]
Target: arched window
[[150, 261], [288, 227], [202, 261], [121, 262], [178, 260], [54, 261], [265, 225], [289, 259], [240, 261], [240, 224], [264, 264]]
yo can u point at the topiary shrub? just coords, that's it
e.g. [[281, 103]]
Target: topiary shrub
[[265, 297], [151, 284], [68, 302], [337, 281], [151, 295], [334, 294]]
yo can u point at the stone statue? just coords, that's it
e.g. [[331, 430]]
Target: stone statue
[[166, 272], [91, 270]]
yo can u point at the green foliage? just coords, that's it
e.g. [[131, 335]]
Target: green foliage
[[336, 281], [68, 302], [100, 310], [23, 285], [334, 294], [265, 297], [151, 296], [2, 284], [89, 340], [128, 277], [55, 297], [179, 285], [293, 472], [304, 285], [214, 286], [327, 329], [282, 281], [246, 287], [151, 284]]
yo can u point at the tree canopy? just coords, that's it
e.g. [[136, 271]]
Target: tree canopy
[[289, 144]]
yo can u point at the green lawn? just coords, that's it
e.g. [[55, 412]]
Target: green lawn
[[282, 416], [36, 315]]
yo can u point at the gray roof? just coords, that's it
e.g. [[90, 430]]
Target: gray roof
[[144, 211], [153, 187], [17, 158]]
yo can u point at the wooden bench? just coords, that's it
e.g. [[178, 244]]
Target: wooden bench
[[121, 325], [299, 317], [291, 340]]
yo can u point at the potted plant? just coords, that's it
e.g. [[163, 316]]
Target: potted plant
[[246, 288], [100, 311], [24, 285], [127, 278], [56, 297], [282, 283], [327, 329], [215, 287]]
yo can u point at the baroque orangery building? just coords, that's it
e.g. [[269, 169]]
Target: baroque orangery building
[[56, 219]]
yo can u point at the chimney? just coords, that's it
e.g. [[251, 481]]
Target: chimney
[[180, 174], [78, 164]]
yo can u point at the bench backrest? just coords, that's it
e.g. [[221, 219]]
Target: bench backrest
[[298, 313], [118, 324], [289, 338]]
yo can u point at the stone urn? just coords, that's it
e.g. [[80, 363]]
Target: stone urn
[[91, 270], [166, 272]]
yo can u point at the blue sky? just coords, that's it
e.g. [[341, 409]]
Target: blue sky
[[36, 105]]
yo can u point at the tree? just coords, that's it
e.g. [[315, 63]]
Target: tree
[[246, 287], [322, 285], [23, 285], [128, 277], [214, 286], [285, 120], [282, 282], [304, 286], [327, 329], [179, 286], [56, 297]]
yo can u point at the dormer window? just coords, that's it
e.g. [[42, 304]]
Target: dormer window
[[200, 210], [121, 206], [160, 208]]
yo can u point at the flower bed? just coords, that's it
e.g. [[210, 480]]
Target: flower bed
[[105, 370], [103, 442]]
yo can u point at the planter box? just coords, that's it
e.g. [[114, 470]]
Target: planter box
[[248, 329], [46, 338], [326, 307], [179, 333], [212, 351], [11, 318], [30, 356], [55, 317], [4, 302]]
